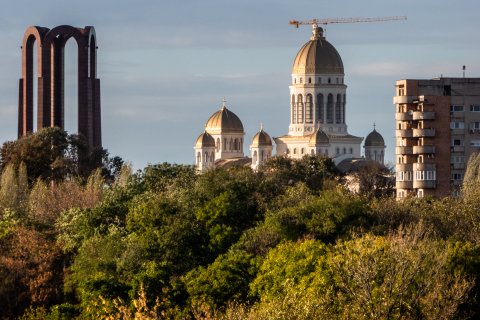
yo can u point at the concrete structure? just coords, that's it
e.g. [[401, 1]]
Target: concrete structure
[[437, 128], [50, 75]]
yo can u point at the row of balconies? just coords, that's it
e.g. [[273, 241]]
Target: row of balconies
[[415, 115], [416, 184], [415, 149], [416, 133], [418, 166]]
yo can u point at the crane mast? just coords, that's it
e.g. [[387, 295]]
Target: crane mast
[[324, 22]]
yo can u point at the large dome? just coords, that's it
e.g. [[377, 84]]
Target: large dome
[[261, 139], [318, 56], [224, 121], [374, 139]]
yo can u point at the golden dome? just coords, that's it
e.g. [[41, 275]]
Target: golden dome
[[318, 138], [318, 56], [205, 140], [374, 139], [224, 121], [261, 139]]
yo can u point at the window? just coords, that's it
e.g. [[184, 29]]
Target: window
[[344, 150], [303, 150], [456, 108], [457, 159], [425, 175], [329, 80], [475, 126], [420, 193], [475, 108], [457, 176], [351, 150], [475, 143], [294, 150], [457, 125], [309, 80], [457, 142], [319, 79], [338, 150], [301, 80]]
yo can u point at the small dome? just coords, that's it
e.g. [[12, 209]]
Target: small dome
[[374, 139], [205, 140], [318, 56], [224, 121], [318, 138], [261, 139]]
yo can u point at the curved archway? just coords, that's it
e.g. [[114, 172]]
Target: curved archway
[[50, 54]]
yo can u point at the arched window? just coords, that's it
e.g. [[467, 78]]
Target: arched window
[[288, 151], [329, 80], [262, 155], [302, 151], [235, 144], [205, 158], [218, 144], [320, 107], [308, 109], [338, 150], [330, 108], [241, 145], [225, 144], [231, 144], [309, 80], [199, 157], [301, 80], [344, 150], [295, 80], [255, 156], [294, 150], [326, 152], [294, 110], [338, 109], [319, 79], [299, 108], [212, 157], [351, 150], [312, 152], [343, 108]]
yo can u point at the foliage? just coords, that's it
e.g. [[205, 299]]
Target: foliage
[[52, 154], [286, 242]]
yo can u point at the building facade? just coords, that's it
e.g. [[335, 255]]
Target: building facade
[[437, 129], [317, 107], [318, 102]]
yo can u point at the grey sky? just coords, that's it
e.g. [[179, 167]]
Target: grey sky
[[165, 66]]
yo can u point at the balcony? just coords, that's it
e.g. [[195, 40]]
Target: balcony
[[424, 184], [418, 166], [403, 150], [403, 116], [404, 167], [403, 99], [407, 133], [458, 166], [404, 184], [457, 149], [421, 115], [423, 132], [423, 149]]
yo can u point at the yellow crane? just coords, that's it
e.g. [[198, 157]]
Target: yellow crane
[[344, 20]]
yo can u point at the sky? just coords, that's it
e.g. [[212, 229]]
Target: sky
[[166, 66]]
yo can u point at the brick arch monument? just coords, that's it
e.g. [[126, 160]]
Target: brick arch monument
[[51, 81]]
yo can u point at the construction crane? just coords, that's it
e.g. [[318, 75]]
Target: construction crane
[[343, 20]]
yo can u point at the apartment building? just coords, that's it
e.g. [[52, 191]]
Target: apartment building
[[437, 128]]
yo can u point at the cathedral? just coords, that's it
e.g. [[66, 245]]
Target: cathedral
[[317, 118]]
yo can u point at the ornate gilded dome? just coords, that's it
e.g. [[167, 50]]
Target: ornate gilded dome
[[224, 121], [374, 139], [205, 140], [318, 138], [318, 56], [261, 139]]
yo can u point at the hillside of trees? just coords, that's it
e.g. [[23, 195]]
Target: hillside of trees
[[83, 237]]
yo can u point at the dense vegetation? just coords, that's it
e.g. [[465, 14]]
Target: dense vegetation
[[286, 242]]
